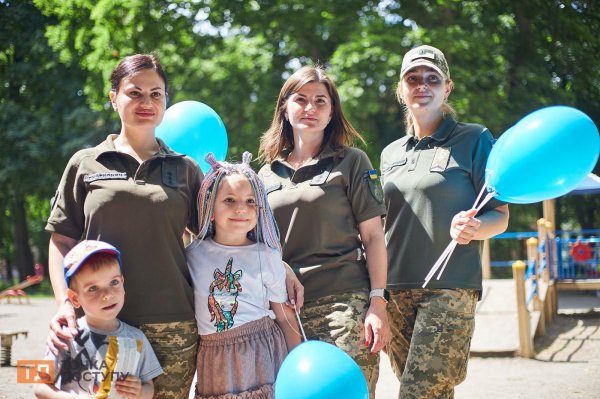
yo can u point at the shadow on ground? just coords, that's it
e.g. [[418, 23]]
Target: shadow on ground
[[567, 336]]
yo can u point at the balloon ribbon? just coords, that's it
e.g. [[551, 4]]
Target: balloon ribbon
[[445, 256]]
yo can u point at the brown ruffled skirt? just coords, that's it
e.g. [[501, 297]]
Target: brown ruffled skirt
[[240, 363]]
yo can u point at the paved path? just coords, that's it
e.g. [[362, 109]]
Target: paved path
[[567, 364], [496, 319]]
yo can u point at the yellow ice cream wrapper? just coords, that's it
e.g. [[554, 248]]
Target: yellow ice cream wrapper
[[121, 359]]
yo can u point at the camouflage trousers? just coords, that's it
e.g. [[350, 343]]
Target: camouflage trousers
[[431, 337], [175, 345], [340, 320]]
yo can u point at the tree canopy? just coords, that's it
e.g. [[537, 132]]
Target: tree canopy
[[507, 58]]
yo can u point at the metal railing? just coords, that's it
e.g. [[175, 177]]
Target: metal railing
[[562, 259], [567, 267], [583, 265]]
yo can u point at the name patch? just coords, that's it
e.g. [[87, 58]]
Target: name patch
[[105, 176], [440, 159]]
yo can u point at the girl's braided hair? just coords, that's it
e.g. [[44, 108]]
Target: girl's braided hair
[[266, 228]]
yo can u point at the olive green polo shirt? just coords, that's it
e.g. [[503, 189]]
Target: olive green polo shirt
[[426, 182], [142, 209], [327, 198]]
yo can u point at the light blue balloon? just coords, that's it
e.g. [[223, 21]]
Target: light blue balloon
[[318, 370], [545, 155], [194, 129]]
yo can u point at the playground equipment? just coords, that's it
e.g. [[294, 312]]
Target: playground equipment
[[550, 268], [536, 290], [17, 290], [554, 263], [6, 341], [578, 263]]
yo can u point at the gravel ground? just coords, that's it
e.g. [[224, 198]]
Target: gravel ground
[[567, 364]]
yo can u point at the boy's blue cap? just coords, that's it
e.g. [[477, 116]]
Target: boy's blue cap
[[82, 251]]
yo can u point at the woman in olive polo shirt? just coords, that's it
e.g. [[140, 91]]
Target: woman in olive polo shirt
[[327, 201], [430, 177], [137, 194]]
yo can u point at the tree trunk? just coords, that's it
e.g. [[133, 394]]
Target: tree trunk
[[522, 47], [23, 255]]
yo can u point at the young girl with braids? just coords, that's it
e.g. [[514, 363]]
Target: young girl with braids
[[239, 286]]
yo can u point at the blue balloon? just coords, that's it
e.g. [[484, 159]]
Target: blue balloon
[[318, 370], [545, 155], [194, 129]]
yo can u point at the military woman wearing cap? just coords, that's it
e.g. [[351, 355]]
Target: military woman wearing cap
[[328, 203], [431, 178]]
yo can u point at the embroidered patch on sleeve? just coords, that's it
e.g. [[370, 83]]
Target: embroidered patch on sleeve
[[375, 185]]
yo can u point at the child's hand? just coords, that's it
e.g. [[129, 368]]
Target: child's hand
[[130, 386]]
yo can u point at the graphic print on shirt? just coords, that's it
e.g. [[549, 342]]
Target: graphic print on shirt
[[86, 367], [78, 364], [222, 298]]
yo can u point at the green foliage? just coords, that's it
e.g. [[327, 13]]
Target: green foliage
[[44, 120], [97, 34], [507, 58]]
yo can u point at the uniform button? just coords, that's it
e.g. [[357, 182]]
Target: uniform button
[[413, 161]]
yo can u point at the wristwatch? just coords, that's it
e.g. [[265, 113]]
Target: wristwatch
[[380, 292]]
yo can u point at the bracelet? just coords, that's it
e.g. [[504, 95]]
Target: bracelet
[[381, 293]]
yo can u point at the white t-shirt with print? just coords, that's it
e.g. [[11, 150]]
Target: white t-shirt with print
[[83, 368], [234, 284]]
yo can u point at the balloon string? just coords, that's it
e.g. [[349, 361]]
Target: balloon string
[[290, 324], [437, 264], [300, 324], [486, 200], [453, 245], [442, 261], [485, 185]]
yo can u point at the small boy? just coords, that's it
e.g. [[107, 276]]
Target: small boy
[[108, 358]]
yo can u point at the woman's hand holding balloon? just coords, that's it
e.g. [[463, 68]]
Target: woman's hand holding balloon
[[295, 289], [464, 226]]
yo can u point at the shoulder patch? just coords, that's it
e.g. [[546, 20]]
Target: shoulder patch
[[375, 185]]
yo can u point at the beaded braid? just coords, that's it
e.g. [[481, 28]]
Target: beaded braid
[[266, 227]]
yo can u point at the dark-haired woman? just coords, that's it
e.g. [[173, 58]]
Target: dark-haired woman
[[137, 194], [328, 204]]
